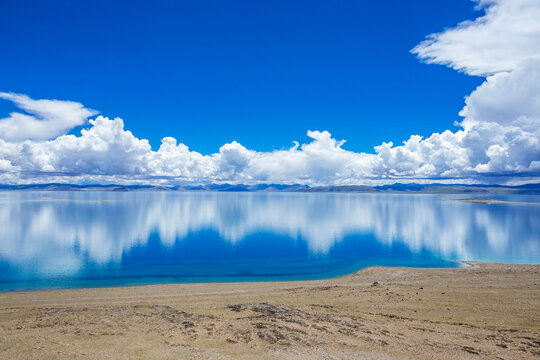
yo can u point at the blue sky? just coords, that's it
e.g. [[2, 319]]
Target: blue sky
[[369, 92], [258, 72]]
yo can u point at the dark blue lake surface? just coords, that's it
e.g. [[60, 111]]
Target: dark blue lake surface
[[88, 239]]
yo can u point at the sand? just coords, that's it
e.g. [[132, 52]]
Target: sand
[[486, 311], [492, 201]]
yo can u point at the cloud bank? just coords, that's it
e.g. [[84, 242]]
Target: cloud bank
[[498, 136]]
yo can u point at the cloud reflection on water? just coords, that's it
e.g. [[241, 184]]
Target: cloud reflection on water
[[50, 234]]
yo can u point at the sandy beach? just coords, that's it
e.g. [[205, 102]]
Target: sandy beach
[[489, 311], [492, 201]]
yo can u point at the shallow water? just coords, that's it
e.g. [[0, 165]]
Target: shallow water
[[88, 239]]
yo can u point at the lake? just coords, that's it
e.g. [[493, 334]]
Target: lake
[[90, 239]]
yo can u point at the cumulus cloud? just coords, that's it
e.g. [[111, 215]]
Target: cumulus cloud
[[45, 119], [507, 98], [499, 133]]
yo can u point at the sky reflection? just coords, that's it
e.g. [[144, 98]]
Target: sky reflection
[[63, 234]]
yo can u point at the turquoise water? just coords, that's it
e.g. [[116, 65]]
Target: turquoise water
[[89, 239]]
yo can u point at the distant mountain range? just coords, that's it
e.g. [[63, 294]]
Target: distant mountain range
[[394, 188]]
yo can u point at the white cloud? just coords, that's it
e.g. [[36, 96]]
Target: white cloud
[[507, 98], [47, 119], [500, 131], [501, 40]]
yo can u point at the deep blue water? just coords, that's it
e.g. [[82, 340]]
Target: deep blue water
[[88, 239]]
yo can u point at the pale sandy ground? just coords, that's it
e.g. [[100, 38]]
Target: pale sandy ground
[[492, 201], [487, 311]]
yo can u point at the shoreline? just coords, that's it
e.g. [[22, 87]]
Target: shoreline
[[491, 201], [483, 310], [466, 263]]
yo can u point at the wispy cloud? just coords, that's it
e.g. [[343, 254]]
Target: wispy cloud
[[499, 41], [45, 119]]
